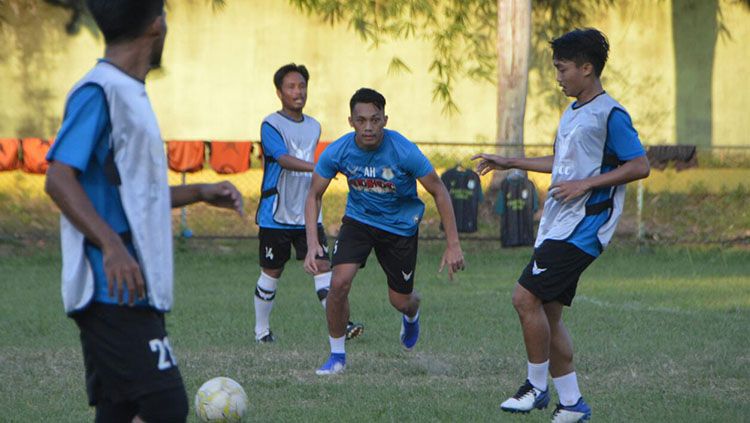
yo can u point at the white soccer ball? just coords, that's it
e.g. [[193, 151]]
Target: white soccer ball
[[219, 400]]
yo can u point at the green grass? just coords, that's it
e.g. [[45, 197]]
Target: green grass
[[660, 335]]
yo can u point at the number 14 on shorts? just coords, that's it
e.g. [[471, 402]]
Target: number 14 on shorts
[[166, 357]]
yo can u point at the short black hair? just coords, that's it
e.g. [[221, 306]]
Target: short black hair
[[581, 46], [278, 77], [367, 95], [123, 20]]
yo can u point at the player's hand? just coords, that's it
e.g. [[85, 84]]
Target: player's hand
[[123, 273], [490, 162], [453, 257], [311, 259], [568, 190], [223, 194]]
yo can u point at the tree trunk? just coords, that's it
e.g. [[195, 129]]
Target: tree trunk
[[695, 30], [513, 49]]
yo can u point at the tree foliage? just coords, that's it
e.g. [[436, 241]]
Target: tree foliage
[[463, 33]]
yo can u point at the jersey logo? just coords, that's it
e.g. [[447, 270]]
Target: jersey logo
[[563, 168], [471, 184], [516, 204], [535, 270], [335, 247], [387, 173], [369, 172], [269, 253], [352, 169], [377, 186], [406, 276], [325, 249]]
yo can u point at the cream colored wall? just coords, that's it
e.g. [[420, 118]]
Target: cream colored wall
[[640, 71], [731, 88], [224, 89], [219, 66]]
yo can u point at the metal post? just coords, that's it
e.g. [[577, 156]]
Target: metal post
[[184, 230], [639, 213]]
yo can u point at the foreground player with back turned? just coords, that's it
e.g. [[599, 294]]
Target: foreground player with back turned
[[108, 176], [383, 213], [597, 151], [289, 138]]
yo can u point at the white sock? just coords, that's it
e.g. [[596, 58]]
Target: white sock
[[322, 285], [412, 319], [337, 344], [265, 292], [537, 374], [567, 388]]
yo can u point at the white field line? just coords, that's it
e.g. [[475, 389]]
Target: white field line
[[636, 306]]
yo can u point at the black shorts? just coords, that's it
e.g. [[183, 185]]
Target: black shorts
[[275, 246], [170, 406], [126, 353], [396, 254], [554, 269]]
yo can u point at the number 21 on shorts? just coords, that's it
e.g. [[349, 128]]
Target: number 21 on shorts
[[166, 357]]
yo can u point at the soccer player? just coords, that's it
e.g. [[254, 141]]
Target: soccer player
[[383, 212], [597, 151], [289, 138], [108, 175]]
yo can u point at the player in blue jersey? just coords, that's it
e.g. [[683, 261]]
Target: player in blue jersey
[[597, 152], [108, 175], [383, 213], [289, 138]]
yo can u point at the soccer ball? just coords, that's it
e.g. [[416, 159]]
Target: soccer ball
[[219, 400]]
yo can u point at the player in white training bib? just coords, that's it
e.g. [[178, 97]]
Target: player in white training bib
[[597, 151]]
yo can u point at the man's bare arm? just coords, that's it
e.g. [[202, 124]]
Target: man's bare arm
[[490, 162], [631, 170], [120, 267], [221, 194], [313, 202], [453, 256], [290, 162]]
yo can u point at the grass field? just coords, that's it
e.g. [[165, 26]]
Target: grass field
[[661, 336]]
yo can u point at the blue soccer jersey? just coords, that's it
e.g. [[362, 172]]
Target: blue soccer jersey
[[382, 182], [83, 143], [623, 142]]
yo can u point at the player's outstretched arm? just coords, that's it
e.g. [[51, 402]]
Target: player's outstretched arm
[[222, 194], [631, 170], [489, 162], [289, 162], [313, 202], [121, 269], [453, 257]]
